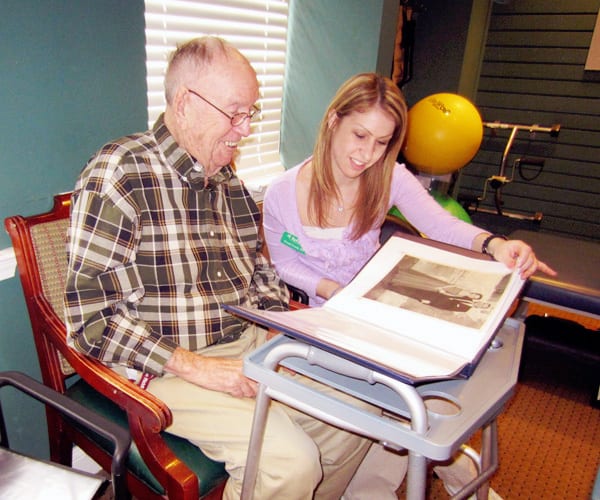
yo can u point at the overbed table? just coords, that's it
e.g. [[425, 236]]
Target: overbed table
[[406, 422]]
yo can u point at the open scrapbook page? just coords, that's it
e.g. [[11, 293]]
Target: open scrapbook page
[[419, 310]]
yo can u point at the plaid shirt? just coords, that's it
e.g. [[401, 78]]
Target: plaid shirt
[[153, 254]]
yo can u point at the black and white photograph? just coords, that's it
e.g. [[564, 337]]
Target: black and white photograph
[[458, 295]]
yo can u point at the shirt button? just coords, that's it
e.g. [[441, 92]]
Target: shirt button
[[219, 274], [212, 233]]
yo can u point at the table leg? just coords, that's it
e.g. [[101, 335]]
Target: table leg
[[261, 410], [488, 465], [416, 479], [489, 450]]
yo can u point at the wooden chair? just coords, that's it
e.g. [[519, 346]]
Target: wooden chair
[[160, 465]]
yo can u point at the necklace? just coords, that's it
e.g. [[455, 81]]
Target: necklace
[[339, 206]]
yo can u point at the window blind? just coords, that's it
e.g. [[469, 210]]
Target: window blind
[[258, 29]]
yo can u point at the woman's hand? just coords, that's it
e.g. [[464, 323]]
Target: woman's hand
[[327, 288], [518, 254]]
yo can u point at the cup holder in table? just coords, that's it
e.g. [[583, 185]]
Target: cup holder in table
[[440, 404]]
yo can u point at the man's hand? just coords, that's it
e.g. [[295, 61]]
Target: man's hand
[[215, 374]]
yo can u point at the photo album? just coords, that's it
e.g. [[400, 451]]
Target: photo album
[[419, 311]]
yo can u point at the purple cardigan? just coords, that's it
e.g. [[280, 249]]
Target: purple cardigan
[[303, 261]]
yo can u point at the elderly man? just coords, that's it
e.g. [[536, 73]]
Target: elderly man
[[163, 233]]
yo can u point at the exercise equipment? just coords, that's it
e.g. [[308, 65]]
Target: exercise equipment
[[497, 182], [444, 133]]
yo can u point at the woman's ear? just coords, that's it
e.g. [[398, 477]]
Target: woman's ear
[[332, 118]]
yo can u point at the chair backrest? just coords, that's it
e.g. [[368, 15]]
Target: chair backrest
[[49, 247], [40, 251]]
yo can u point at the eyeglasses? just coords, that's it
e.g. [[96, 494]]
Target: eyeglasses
[[237, 118]]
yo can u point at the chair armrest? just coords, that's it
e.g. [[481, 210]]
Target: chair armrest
[[75, 411], [147, 415], [127, 395], [297, 294], [393, 224], [294, 305]]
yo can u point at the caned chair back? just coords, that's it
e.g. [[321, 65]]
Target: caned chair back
[[48, 241]]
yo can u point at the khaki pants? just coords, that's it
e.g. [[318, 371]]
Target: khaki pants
[[301, 457], [382, 471]]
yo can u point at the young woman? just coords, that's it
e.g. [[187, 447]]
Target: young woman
[[322, 218]]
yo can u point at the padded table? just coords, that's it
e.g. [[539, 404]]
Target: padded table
[[575, 289], [406, 422], [577, 286]]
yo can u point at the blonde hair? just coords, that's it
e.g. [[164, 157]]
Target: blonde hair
[[360, 93]]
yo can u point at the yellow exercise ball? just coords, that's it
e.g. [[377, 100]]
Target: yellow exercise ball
[[444, 133]]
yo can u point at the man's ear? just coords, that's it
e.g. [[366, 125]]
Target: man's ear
[[332, 118], [180, 101]]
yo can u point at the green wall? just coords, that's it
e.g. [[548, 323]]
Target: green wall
[[328, 41], [73, 77], [533, 72]]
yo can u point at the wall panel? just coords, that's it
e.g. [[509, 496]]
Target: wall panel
[[533, 73]]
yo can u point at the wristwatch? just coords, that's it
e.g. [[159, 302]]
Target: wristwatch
[[487, 241]]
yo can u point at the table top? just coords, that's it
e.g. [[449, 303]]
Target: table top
[[577, 262], [476, 400]]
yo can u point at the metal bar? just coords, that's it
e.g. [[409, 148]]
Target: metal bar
[[489, 465], [536, 217], [417, 468], [552, 130], [507, 149], [261, 411]]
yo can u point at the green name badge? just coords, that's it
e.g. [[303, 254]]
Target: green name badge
[[291, 240]]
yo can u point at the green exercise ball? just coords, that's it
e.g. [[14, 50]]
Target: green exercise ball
[[447, 202]]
